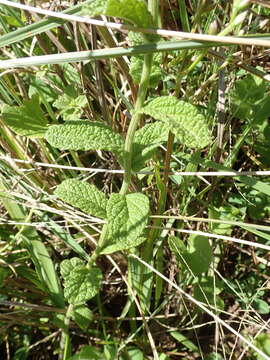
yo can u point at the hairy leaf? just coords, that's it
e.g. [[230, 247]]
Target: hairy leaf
[[80, 283], [27, 119], [150, 134], [84, 196], [134, 11], [183, 119], [127, 217], [84, 135]]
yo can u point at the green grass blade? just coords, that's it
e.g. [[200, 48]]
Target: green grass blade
[[35, 247], [38, 27], [105, 53]]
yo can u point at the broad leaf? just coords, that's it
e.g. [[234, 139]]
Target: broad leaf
[[80, 283], [84, 135], [134, 11], [197, 257], [127, 217], [27, 119], [84, 196], [150, 134], [183, 119], [146, 140]]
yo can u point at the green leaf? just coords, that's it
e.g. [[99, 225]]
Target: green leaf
[[83, 135], [262, 342], [197, 257], [246, 93], [183, 119], [71, 105], [88, 352], [261, 306], [146, 140], [150, 134], [208, 290], [134, 11], [68, 265], [136, 62], [136, 66], [83, 196], [119, 246], [83, 316], [184, 340], [127, 217], [80, 283], [27, 119]]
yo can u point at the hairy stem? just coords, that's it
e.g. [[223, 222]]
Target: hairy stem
[[65, 339], [135, 121]]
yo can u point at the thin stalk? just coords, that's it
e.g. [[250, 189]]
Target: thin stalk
[[153, 7], [65, 339], [135, 121]]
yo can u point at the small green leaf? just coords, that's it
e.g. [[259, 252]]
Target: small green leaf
[[183, 119], [71, 107], [83, 196], [261, 306], [84, 135], [262, 342], [184, 340], [68, 265], [197, 257], [83, 316], [80, 283], [136, 62], [127, 217], [247, 92], [134, 11], [136, 66], [27, 119], [146, 140], [88, 352], [208, 290]]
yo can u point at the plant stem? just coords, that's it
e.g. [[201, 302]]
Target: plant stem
[[65, 339], [135, 121], [128, 146]]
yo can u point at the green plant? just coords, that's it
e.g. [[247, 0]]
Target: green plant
[[60, 122]]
